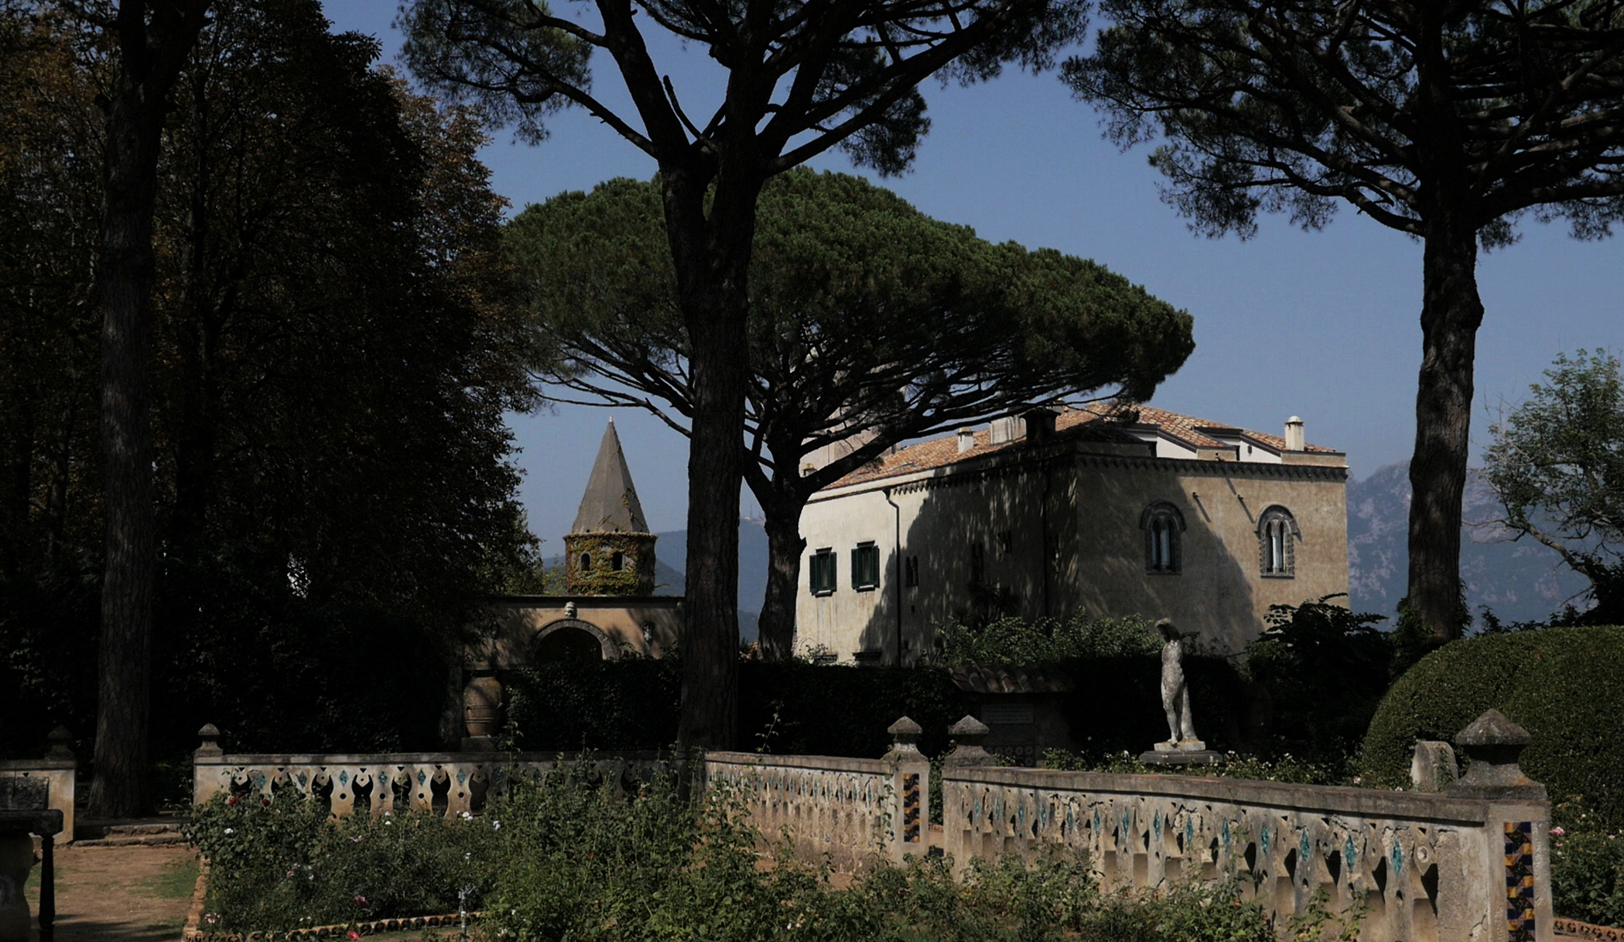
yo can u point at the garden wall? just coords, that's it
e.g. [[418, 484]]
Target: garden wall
[[443, 783], [1425, 866], [1469, 864]]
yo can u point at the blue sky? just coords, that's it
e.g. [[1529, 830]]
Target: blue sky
[[1323, 325]]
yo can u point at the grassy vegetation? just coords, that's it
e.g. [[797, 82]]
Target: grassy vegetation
[[178, 881]]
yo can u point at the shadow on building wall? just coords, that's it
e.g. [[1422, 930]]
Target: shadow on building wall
[[1066, 539], [1059, 542]]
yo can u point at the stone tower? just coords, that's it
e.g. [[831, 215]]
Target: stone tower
[[609, 551]]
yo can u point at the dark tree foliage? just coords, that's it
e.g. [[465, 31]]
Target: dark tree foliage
[[1557, 464], [870, 324], [801, 79], [1324, 670], [335, 342], [1448, 121]]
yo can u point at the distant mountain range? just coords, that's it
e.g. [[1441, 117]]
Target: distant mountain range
[[1518, 581], [671, 554]]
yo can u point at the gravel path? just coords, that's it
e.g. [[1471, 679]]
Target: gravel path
[[120, 894]]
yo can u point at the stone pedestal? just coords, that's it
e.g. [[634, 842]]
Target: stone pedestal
[[16, 859], [1181, 752], [25, 811]]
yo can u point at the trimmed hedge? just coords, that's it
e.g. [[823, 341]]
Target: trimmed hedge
[[1564, 685], [796, 708], [788, 708]]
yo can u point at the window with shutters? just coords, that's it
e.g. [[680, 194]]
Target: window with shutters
[[821, 572], [865, 566]]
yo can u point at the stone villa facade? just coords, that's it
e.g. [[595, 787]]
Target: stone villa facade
[[1101, 510]]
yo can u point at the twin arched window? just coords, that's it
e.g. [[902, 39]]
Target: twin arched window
[[1164, 537], [1277, 535]]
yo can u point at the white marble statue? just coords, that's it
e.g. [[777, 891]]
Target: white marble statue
[[1175, 691]]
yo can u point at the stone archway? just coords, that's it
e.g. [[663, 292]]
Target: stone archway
[[571, 639]]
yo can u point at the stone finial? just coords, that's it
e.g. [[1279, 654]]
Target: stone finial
[[968, 733], [1492, 744], [210, 734], [59, 739], [904, 738]]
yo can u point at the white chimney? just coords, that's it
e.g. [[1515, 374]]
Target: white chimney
[[1294, 434], [967, 439], [1003, 430]]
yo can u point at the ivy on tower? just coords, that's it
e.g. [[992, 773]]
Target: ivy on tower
[[609, 551]]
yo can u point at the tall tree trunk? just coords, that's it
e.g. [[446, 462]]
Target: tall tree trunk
[[784, 548], [153, 41], [125, 268], [710, 642], [712, 258], [1451, 313]]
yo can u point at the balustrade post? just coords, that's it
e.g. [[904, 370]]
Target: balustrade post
[[1516, 850], [967, 735], [206, 764], [910, 787]]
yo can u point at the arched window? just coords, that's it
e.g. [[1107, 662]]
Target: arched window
[[1277, 535], [586, 562], [617, 561], [1164, 537]]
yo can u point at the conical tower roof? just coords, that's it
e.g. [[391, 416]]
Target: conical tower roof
[[610, 502]]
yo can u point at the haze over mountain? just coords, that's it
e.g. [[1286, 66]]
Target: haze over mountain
[[1518, 581], [671, 553]]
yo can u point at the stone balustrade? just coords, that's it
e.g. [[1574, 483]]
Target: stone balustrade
[[443, 783], [1471, 862], [1422, 866], [855, 811]]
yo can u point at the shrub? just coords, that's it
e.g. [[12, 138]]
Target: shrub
[[279, 864], [784, 707], [1562, 685], [796, 708], [1286, 768], [1587, 866], [1324, 670], [1016, 641], [566, 706]]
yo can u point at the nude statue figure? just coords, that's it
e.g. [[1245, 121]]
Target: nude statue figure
[[1175, 692]]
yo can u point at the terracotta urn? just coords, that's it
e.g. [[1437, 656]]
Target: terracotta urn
[[482, 705]]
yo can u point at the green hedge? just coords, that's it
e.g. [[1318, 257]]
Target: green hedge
[[1564, 685], [798, 708], [788, 708]]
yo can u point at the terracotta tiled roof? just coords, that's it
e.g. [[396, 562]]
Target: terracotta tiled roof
[[1097, 422]]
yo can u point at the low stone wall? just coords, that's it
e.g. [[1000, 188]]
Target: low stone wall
[[445, 783], [1423, 866], [855, 811]]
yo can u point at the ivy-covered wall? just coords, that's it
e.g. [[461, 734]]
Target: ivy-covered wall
[[634, 577]]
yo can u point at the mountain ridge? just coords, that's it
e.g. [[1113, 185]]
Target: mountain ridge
[[1518, 580]]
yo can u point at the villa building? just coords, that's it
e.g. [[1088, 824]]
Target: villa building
[[1102, 510]]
